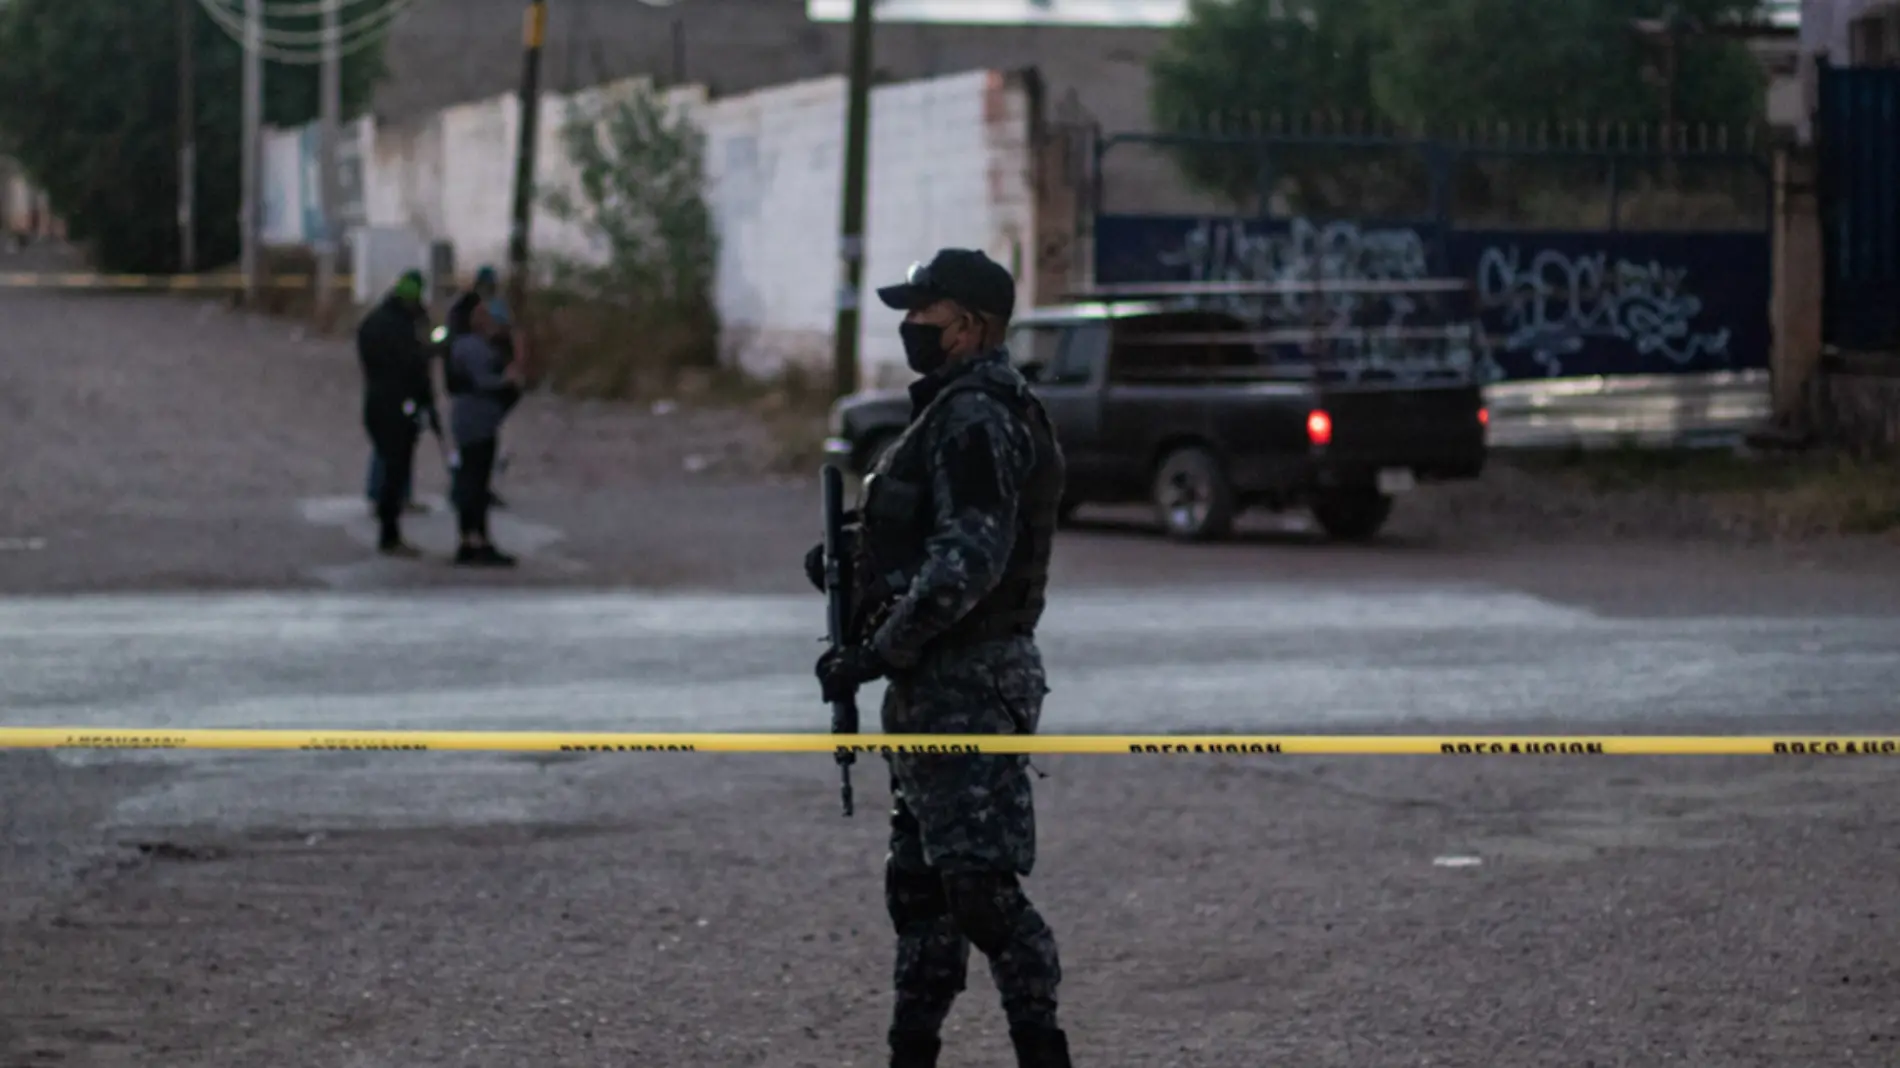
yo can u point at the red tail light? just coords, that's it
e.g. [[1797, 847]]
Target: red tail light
[[1484, 417], [1319, 427]]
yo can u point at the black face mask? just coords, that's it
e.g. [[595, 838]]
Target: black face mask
[[923, 346]]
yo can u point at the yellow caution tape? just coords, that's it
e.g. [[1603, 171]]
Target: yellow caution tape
[[950, 744], [45, 280]]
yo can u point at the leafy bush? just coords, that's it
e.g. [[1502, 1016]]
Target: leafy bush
[[629, 317]]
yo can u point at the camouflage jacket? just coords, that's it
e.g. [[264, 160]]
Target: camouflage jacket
[[976, 459]]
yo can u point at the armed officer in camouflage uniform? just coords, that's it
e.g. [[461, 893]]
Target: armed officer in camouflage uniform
[[950, 558]]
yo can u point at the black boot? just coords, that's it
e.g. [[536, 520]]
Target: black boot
[[911, 1050], [1041, 1047], [389, 542]]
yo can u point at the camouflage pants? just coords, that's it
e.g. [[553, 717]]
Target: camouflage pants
[[963, 831]]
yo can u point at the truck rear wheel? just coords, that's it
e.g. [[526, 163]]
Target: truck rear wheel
[[1192, 498], [1355, 514]]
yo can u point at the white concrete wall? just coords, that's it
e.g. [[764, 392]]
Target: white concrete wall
[[25, 209], [379, 256], [292, 202], [951, 164], [281, 184]]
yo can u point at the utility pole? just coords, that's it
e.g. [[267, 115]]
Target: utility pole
[[851, 232], [330, 107], [253, 137], [1672, 74], [534, 29], [187, 139]]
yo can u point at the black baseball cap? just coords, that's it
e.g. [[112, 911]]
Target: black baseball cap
[[964, 275]]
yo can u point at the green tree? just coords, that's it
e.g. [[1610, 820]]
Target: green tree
[[1533, 61], [1238, 67], [89, 106], [1243, 65], [644, 299]]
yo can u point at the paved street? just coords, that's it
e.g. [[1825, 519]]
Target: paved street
[[1271, 658], [202, 562], [1259, 657]]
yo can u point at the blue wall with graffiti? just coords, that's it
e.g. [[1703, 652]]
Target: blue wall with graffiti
[[1553, 303]]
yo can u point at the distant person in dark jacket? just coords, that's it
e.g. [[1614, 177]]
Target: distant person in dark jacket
[[486, 289], [397, 397], [486, 387], [373, 481]]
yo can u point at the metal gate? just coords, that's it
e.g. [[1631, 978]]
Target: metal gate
[[1622, 275], [1858, 135]]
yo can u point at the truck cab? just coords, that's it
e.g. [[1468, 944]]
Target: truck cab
[[1188, 408]]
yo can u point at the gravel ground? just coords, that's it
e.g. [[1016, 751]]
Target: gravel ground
[[717, 912], [164, 444], [160, 443], [1706, 913]]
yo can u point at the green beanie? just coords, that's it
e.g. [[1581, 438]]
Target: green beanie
[[409, 286]]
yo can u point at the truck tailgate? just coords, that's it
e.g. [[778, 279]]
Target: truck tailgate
[[1438, 431]]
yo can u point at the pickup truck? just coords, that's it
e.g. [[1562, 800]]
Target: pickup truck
[[1188, 408]]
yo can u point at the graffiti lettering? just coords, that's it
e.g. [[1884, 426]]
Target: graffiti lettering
[[1232, 250], [1553, 304]]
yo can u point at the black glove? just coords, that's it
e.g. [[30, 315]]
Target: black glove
[[842, 671], [815, 559], [815, 566]]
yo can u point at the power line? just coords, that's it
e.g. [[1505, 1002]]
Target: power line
[[307, 47], [318, 37], [301, 8]]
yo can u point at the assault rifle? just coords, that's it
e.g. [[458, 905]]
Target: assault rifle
[[844, 714]]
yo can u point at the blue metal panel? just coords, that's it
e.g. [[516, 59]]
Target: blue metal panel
[[1557, 304], [1858, 129], [1565, 303]]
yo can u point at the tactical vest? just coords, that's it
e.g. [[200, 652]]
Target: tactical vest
[[897, 516]]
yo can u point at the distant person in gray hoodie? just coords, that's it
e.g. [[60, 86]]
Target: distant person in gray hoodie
[[485, 384]]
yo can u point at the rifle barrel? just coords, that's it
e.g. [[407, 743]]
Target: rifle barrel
[[844, 714]]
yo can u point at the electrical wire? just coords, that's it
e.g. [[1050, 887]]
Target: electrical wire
[[275, 45], [234, 23], [308, 47], [297, 38], [290, 9]]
